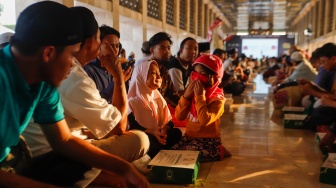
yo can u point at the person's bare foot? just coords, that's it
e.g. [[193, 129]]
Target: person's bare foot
[[224, 153], [326, 144], [322, 128]]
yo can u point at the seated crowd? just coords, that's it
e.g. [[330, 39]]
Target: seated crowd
[[76, 114], [309, 82]]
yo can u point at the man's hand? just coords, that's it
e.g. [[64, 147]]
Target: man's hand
[[110, 60], [306, 87], [135, 179], [127, 73]]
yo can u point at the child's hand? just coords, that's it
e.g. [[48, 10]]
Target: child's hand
[[188, 93], [199, 88], [159, 135]]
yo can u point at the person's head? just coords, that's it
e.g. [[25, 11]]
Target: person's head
[[48, 34], [233, 53], [296, 57], [203, 47], [286, 60], [90, 45], [243, 57], [145, 48], [160, 46], [315, 59], [154, 79], [220, 53], [5, 38], [188, 50], [131, 55], [207, 69], [293, 49], [111, 36], [123, 53], [328, 56]]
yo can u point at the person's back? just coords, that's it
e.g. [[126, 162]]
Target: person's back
[[202, 105], [303, 70]]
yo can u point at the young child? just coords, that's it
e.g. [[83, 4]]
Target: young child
[[202, 105], [149, 110]]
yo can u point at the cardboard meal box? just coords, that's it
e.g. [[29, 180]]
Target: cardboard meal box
[[328, 170], [292, 110], [294, 121], [174, 167]]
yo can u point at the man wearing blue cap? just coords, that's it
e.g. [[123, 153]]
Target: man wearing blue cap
[[42, 50]]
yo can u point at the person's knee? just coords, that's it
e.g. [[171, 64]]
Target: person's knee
[[140, 139]]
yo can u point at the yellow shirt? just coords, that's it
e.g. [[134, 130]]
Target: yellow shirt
[[209, 113]]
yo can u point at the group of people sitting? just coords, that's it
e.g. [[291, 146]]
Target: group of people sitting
[[309, 82], [60, 75]]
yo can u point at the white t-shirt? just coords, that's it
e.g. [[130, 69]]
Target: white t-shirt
[[83, 107]]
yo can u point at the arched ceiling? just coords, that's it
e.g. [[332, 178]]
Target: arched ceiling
[[260, 15]]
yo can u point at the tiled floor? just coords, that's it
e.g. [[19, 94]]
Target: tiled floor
[[264, 154]]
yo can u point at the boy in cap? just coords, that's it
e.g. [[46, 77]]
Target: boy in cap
[[42, 50]]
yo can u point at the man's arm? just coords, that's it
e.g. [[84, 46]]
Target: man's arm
[[119, 98], [63, 142], [12, 180]]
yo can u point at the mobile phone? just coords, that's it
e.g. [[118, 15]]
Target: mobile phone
[[131, 63]]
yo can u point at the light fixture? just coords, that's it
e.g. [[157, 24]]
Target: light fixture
[[308, 32]]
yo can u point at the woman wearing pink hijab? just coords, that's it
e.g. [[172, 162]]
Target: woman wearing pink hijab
[[149, 110]]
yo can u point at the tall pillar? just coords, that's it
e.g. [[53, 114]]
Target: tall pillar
[[202, 18], [144, 20], [195, 14], [188, 16], [177, 16], [164, 14], [115, 15], [69, 3]]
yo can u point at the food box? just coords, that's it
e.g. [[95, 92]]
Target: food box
[[174, 167]]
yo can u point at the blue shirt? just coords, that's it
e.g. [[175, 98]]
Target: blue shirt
[[103, 79], [19, 102], [325, 79]]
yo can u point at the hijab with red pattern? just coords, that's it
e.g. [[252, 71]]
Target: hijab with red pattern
[[213, 63]]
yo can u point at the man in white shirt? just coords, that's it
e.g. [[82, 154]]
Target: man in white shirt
[[84, 107], [304, 69], [233, 53]]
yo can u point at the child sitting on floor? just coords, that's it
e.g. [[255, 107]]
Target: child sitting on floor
[[149, 110], [202, 105]]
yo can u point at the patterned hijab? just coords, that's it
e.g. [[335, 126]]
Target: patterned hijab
[[215, 64]]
